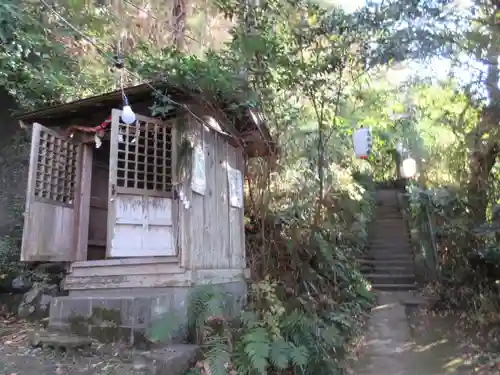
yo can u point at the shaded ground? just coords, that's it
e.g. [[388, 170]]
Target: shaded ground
[[398, 342], [17, 357], [404, 342]]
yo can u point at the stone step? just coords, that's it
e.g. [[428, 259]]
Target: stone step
[[390, 237], [386, 262], [387, 228], [377, 278], [388, 269], [383, 229], [390, 240], [390, 257], [399, 243], [396, 237], [391, 249], [389, 252], [387, 257], [171, 360], [380, 212], [58, 340], [387, 216], [390, 287], [398, 219], [388, 225], [392, 218], [174, 359]]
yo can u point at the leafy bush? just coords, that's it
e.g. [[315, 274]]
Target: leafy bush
[[268, 337]]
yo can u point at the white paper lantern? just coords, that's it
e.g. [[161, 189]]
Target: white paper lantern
[[362, 139], [408, 168]]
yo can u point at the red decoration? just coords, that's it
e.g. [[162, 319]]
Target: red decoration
[[85, 129]]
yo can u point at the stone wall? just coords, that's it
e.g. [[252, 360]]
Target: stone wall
[[132, 317]]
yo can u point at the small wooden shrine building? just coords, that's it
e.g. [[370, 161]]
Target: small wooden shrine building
[[138, 212]]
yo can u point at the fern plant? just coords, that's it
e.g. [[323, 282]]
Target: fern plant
[[264, 338]]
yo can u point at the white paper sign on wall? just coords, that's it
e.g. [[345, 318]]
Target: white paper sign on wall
[[198, 183], [235, 180]]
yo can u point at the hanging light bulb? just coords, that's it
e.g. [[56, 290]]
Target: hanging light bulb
[[408, 168], [128, 116]]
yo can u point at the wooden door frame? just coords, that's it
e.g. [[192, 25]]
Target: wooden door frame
[[83, 202]]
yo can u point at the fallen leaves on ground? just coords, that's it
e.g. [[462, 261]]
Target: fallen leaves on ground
[[18, 357]]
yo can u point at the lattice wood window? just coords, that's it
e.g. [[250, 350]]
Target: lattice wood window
[[145, 156], [56, 169]]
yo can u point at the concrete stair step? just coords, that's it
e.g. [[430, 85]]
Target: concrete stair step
[[377, 278], [396, 245], [387, 225], [383, 228], [390, 270], [386, 262], [390, 257], [386, 217], [392, 248], [388, 238], [395, 287], [389, 252], [393, 237], [387, 220], [58, 339]]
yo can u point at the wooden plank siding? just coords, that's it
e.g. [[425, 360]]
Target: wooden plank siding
[[215, 230]]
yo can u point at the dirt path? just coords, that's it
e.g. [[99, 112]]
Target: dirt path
[[400, 342], [17, 357]]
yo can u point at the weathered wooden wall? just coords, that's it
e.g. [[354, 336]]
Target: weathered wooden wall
[[212, 231]]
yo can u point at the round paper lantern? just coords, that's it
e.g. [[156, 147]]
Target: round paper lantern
[[408, 168], [362, 139]]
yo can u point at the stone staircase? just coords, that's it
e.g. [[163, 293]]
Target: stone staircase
[[389, 262]]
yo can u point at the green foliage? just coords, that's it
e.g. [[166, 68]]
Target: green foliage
[[265, 335]]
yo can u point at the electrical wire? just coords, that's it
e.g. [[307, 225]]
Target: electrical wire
[[113, 60], [156, 18]]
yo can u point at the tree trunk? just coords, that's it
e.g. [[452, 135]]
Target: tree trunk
[[480, 167], [179, 23], [485, 150]]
